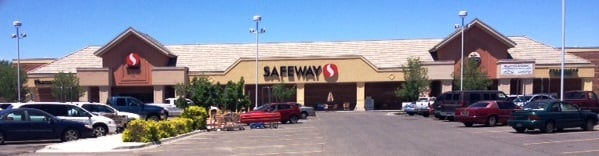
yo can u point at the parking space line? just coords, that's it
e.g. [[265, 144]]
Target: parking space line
[[283, 153], [501, 131], [561, 141], [280, 145], [579, 152]]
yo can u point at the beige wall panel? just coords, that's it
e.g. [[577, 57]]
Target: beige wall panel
[[360, 92], [504, 85], [588, 72], [300, 88], [31, 82], [168, 77], [158, 94], [94, 78], [350, 70], [439, 72], [587, 84]]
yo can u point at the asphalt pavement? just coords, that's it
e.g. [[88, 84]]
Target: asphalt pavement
[[373, 133]]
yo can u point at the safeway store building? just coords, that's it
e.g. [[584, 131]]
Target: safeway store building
[[360, 73]]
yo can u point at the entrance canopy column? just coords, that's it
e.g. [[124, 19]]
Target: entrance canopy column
[[158, 94], [446, 85], [104, 93], [527, 86], [587, 84], [360, 94], [85, 96], [504, 85], [300, 93]]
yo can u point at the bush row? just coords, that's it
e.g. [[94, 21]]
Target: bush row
[[192, 118]]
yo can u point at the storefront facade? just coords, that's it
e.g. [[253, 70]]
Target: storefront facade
[[363, 74]]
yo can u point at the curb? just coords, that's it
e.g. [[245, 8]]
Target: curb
[[160, 141]]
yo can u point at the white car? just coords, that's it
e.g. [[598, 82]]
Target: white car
[[171, 107], [522, 100], [101, 125], [121, 118], [421, 106]]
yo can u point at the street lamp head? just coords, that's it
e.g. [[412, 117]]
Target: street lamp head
[[13, 35], [262, 30], [257, 18], [456, 26], [252, 30], [23, 35], [463, 13], [17, 23]]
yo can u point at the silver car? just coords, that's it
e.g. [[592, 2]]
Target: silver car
[[306, 111]]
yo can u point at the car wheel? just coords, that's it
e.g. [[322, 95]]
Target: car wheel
[[520, 130], [549, 127], [450, 118], [100, 130], [467, 124], [70, 135], [411, 114], [293, 119], [153, 117], [304, 115], [492, 121], [589, 125], [425, 115], [1, 138]]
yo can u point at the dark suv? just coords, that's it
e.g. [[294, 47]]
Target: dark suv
[[446, 103]]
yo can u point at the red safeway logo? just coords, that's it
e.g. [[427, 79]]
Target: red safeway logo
[[133, 60], [330, 71]]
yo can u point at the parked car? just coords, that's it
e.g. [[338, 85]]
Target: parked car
[[120, 118], [447, 103], [101, 125], [171, 107], [551, 115], [4, 105], [306, 111], [34, 124], [524, 99], [486, 112], [421, 106], [290, 112], [586, 100], [133, 105]]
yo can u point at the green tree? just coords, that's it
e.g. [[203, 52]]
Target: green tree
[[182, 90], [474, 77], [281, 92], [65, 87], [230, 97], [204, 93], [8, 82], [416, 80]]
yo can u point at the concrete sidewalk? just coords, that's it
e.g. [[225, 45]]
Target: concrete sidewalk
[[108, 143]]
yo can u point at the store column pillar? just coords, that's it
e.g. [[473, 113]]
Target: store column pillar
[[85, 96], [504, 86], [587, 84], [527, 86], [360, 97], [158, 94], [104, 93], [446, 85], [300, 93]]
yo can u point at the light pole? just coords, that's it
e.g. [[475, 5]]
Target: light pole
[[18, 36], [257, 31], [462, 14], [561, 93]]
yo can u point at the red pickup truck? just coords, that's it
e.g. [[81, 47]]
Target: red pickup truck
[[586, 100]]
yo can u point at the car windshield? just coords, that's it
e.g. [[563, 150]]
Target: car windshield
[[574, 95], [522, 98], [479, 105], [263, 107], [423, 100], [536, 106]]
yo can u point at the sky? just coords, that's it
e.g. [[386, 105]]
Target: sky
[[57, 28]]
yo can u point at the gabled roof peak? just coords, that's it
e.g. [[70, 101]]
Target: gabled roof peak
[[476, 22], [131, 31]]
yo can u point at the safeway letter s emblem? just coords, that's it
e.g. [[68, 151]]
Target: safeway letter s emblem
[[330, 71], [133, 60]]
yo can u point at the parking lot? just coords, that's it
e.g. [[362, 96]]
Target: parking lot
[[376, 133]]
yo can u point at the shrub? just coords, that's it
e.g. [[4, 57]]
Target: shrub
[[166, 129], [192, 111], [141, 131]]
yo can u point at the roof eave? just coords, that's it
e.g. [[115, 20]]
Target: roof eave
[[131, 31]]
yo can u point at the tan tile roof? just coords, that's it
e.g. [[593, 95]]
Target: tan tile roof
[[527, 48], [382, 54], [83, 58]]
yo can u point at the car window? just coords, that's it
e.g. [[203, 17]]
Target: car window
[[592, 96], [17, 115], [121, 102], [574, 95], [56, 110], [479, 105], [474, 97], [455, 97], [104, 108], [4, 105], [134, 102], [89, 107], [536, 106], [283, 107], [555, 107], [73, 111], [506, 105], [38, 116], [423, 99], [568, 107]]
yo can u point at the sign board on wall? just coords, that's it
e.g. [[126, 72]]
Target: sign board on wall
[[517, 69]]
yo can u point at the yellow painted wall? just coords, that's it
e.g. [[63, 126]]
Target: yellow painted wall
[[588, 72]]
